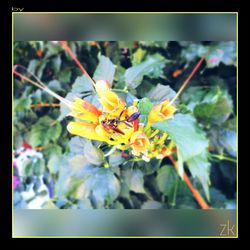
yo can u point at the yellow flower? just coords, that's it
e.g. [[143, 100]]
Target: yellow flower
[[85, 129], [84, 110], [139, 143], [161, 112], [110, 101]]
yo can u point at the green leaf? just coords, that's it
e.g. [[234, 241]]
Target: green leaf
[[57, 62], [186, 134], [166, 179], [82, 84], [93, 154], [55, 85], [43, 132], [52, 149], [215, 112], [105, 70], [100, 184], [134, 180], [116, 159], [76, 145], [224, 52], [64, 76], [200, 168], [22, 103], [54, 163], [138, 56], [38, 166], [161, 93], [144, 106], [153, 205], [152, 67], [126, 44]]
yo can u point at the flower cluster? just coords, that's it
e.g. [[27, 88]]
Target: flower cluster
[[119, 125]]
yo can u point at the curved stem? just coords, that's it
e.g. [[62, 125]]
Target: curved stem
[[194, 191]]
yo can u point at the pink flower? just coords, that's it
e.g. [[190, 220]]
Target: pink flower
[[16, 182]]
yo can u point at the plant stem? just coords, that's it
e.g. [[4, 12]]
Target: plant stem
[[222, 157], [45, 105], [120, 90], [188, 79], [173, 203], [194, 191], [73, 56]]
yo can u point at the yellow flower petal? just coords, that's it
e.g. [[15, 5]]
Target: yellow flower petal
[[110, 101], [84, 110], [85, 129], [139, 142], [161, 112]]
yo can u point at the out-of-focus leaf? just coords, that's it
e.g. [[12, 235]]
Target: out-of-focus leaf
[[138, 56], [105, 70], [126, 44], [224, 138], [144, 106], [161, 93], [153, 44], [82, 84], [57, 62], [218, 199], [93, 154], [153, 205], [214, 112], [116, 159], [166, 179], [43, 132], [64, 76], [54, 163], [227, 140], [199, 167], [22, 103], [134, 180], [186, 134], [152, 67], [76, 145], [100, 184], [224, 52], [38, 166], [55, 85]]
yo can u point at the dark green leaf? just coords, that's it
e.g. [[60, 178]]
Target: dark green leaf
[[166, 179]]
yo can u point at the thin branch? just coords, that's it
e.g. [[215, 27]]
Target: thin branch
[[188, 79], [194, 191], [73, 56], [40, 105]]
